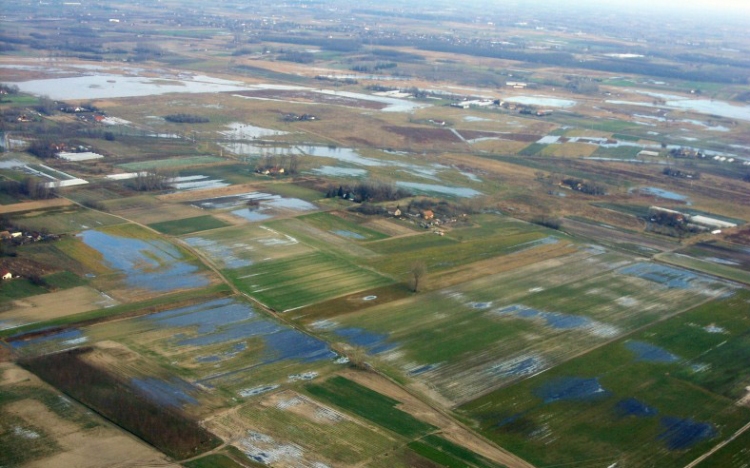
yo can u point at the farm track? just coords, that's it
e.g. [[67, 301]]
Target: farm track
[[718, 446]]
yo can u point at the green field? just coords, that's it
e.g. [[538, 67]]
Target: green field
[[441, 253], [185, 161], [662, 396], [532, 149], [187, 226], [342, 227], [369, 405], [734, 455], [706, 266], [297, 281], [65, 221], [621, 152], [448, 454], [503, 327]]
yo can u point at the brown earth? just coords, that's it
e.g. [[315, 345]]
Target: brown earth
[[425, 135], [34, 205], [24, 266], [56, 304]]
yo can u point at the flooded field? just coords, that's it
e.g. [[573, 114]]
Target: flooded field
[[664, 403], [145, 263], [106, 86]]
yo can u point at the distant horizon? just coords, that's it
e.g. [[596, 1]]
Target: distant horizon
[[725, 5]]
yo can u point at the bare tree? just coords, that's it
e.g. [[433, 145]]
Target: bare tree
[[417, 272]]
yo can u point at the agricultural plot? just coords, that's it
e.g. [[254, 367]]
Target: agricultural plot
[[42, 307], [194, 357], [370, 405], [42, 427], [146, 209], [660, 397], [137, 260], [67, 221], [238, 247], [722, 259], [342, 227], [293, 282], [470, 338], [188, 226], [172, 163], [291, 429], [442, 253]]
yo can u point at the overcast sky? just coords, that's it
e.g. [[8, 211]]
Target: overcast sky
[[739, 6]]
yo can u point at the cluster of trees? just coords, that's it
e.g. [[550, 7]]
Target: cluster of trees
[[680, 174], [548, 221], [290, 164], [150, 181], [185, 118], [367, 191], [376, 67], [582, 85], [8, 89], [296, 56], [31, 187], [43, 149], [166, 428], [334, 44], [583, 186], [670, 224]]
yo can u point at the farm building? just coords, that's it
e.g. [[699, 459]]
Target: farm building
[[6, 275]]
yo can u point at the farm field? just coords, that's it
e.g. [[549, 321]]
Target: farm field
[[64, 222], [521, 322], [659, 396], [131, 263], [188, 226], [42, 427], [336, 235]]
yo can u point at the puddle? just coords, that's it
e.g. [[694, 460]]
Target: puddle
[[553, 319], [646, 352], [174, 393], [660, 193], [348, 234], [252, 215], [219, 251], [518, 367], [230, 201], [332, 171], [681, 434], [56, 339], [542, 101], [671, 277], [241, 131], [375, 343], [461, 192], [290, 204], [248, 392], [634, 407], [571, 389]]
